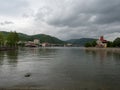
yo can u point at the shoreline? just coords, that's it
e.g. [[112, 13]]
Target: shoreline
[[7, 48], [103, 49]]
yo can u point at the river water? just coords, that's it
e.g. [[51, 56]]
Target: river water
[[64, 68]]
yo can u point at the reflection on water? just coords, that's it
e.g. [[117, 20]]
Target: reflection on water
[[12, 57], [61, 68], [103, 54], [1, 57]]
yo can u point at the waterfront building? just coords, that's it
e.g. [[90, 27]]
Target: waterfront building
[[36, 41], [30, 44], [101, 42], [45, 44]]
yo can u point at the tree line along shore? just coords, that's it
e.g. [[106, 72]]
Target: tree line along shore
[[9, 42], [110, 44]]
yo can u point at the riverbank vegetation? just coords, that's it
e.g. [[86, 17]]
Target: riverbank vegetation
[[8, 41], [115, 43]]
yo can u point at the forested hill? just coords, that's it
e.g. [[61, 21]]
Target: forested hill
[[41, 37], [47, 38]]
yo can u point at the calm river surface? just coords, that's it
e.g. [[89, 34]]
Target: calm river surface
[[60, 68]]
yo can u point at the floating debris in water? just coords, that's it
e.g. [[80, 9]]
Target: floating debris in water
[[27, 75]]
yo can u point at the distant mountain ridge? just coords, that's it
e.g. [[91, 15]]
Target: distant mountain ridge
[[81, 41]]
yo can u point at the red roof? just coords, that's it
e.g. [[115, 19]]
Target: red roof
[[102, 39]]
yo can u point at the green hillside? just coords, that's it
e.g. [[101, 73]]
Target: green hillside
[[4, 33], [41, 37], [47, 38], [24, 37]]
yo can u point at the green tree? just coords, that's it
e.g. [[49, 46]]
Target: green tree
[[12, 39], [93, 43], [90, 44], [1, 40], [16, 38], [109, 44], [116, 42]]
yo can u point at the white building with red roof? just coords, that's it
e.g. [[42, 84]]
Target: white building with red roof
[[101, 42]]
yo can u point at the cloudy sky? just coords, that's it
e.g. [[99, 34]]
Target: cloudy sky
[[64, 19]]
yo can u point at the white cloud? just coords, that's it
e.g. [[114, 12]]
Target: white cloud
[[12, 7], [112, 36]]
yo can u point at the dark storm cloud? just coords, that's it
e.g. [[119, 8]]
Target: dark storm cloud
[[66, 15], [75, 21], [106, 11], [77, 14]]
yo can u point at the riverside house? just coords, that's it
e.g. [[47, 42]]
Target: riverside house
[[101, 42]]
